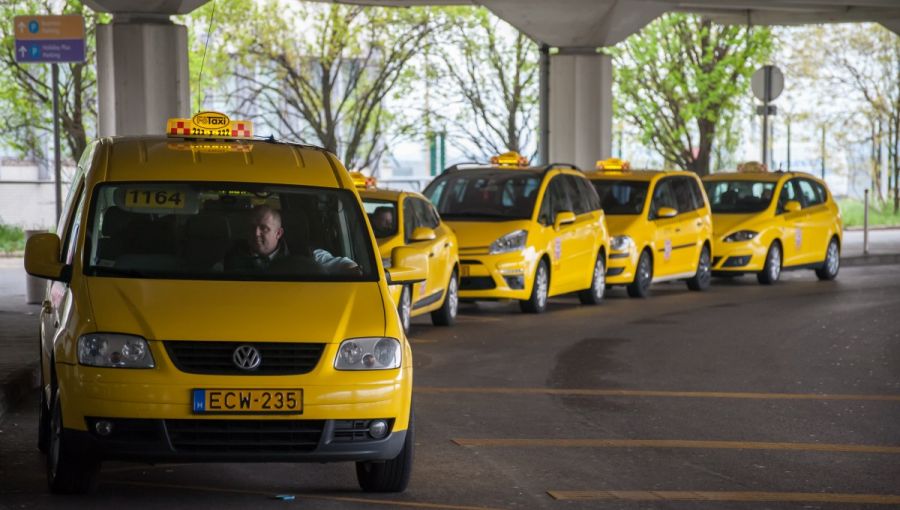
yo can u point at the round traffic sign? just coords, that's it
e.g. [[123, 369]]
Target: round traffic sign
[[767, 77]]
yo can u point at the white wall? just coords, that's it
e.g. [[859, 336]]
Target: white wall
[[30, 205]]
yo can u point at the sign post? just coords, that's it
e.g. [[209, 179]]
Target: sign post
[[52, 40], [767, 84]]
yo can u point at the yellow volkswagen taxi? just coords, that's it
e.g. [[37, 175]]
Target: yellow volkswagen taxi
[[219, 299], [659, 224], [766, 222], [525, 233], [406, 223]]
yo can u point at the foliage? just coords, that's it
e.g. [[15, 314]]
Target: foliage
[[880, 215], [12, 239], [680, 81]]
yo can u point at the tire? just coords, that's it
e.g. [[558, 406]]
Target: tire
[[537, 302], [391, 475], [404, 308], [593, 295], [772, 269], [700, 280], [67, 472], [643, 277], [43, 442], [446, 314], [832, 264]]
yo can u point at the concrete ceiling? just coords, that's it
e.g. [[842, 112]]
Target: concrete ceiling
[[595, 23]]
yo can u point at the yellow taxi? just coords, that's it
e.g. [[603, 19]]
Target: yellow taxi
[[406, 223], [216, 298], [660, 226], [766, 222], [525, 233]]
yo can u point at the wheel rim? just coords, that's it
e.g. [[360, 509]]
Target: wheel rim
[[703, 267], [834, 259], [541, 282], [599, 279], [405, 300], [644, 272], [453, 296], [775, 261]]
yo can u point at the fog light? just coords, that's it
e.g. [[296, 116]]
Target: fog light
[[103, 428], [378, 429]]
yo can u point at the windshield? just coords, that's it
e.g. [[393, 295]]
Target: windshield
[[382, 216], [485, 194], [621, 197], [739, 196], [227, 231]]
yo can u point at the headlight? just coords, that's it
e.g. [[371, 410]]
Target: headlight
[[514, 241], [740, 235], [368, 354], [621, 243], [114, 351]]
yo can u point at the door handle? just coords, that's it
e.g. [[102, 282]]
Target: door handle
[[446, 245], [677, 230], [46, 307], [431, 254], [699, 223]]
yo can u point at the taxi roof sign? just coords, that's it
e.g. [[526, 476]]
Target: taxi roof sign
[[208, 125], [510, 158], [361, 181], [613, 164], [752, 167]]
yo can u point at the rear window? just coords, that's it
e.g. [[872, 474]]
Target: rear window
[[621, 197], [227, 231], [739, 196], [485, 194]]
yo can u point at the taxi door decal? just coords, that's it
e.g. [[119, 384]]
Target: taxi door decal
[[667, 251], [557, 249], [798, 238]]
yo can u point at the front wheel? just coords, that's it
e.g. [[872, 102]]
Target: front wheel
[[537, 302], [404, 308], [701, 279], [390, 475], [832, 264], [643, 277], [446, 314], [772, 270], [594, 294], [67, 472]]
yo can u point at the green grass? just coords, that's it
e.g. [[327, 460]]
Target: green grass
[[12, 239], [880, 215]]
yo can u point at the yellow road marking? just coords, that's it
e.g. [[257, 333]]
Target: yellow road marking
[[587, 392], [779, 497], [676, 443], [423, 341], [345, 499]]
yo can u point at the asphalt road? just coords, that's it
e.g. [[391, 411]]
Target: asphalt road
[[741, 397]]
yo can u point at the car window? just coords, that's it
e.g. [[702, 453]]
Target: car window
[[410, 222], [425, 216], [588, 191], [809, 193], [382, 216], [739, 196], [821, 190], [227, 231], [621, 197], [559, 197], [696, 193], [73, 229], [485, 194], [684, 197], [577, 198], [663, 196]]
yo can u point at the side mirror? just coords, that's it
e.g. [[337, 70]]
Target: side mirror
[[408, 265], [563, 218], [422, 234], [42, 257], [792, 206], [666, 212]]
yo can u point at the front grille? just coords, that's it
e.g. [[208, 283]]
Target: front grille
[[615, 271], [737, 261], [225, 436], [715, 261], [470, 262], [476, 283], [217, 357], [348, 431]]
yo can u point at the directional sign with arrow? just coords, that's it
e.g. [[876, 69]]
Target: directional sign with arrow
[[49, 39]]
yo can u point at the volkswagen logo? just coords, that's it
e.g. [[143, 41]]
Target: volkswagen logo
[[246, 357]]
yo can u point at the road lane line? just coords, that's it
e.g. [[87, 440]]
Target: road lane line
[[771, 497], [423, 341], [677, 443], [587, 392], [320, 497]]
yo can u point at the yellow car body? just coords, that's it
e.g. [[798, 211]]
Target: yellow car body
[[677, 244], [416, 227], [509, 224], [768, 221], [192, 403]]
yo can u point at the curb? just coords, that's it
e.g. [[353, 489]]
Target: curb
[[19, 384], [871, 260]]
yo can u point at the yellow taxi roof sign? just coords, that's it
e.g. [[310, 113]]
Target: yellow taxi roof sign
[[752, 167], [362, 181], [510, 158], [209, 125], [613, 164]]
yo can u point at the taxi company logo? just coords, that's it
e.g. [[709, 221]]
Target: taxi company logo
[[211, 120], [246, 357]]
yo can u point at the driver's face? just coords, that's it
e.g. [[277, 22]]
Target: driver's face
[[384, 220], [266, 233]]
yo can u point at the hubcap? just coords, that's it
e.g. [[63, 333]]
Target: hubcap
[[453, 296], [775, 270], [834, 259], [599, 279], [644, 272], [704, 266], [541, 282], [404, 308]]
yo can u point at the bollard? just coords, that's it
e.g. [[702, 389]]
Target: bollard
[[866, 223], [35, 288]]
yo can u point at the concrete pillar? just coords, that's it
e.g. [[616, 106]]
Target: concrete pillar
[[580, 108]]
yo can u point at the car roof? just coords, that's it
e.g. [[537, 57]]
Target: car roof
[[749, 176], [632, 175], [160, 158]]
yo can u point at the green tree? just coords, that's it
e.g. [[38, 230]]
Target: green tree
[[680, 81]]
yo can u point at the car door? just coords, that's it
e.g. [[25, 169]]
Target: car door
[[816, 220], [583, 255], [563, 242], [439, 251], [685, 245], [411, 221], [790, 223], [664, 235]]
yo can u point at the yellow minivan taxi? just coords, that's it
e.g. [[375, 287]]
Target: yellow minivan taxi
[[660, 227], [766, 222], [217, 301], [525, 233], [406, 223]]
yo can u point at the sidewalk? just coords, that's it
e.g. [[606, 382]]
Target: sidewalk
[[19, 357]]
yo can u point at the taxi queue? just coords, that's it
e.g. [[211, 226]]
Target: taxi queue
[[215, 297]]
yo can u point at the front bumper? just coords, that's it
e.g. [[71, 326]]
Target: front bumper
[[621, 267], [738, 257], [502, 276]]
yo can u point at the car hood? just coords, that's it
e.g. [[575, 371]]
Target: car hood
[[480, 234], [620, 224], [724, 224], [237, 311]]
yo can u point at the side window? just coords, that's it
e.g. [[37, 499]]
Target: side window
[[545, 215], [809, 193], [822, 192], [788, 193], [663, 196], [576, 195], [425, 215], [684, 196], [560, 198], [697, 193], [591, 193], [409, 219], [72, 230], [434, 194]]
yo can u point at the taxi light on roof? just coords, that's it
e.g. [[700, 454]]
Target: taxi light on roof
[[209, 125], [613, 164], [511, 158], [361, 181], [752, 167]]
